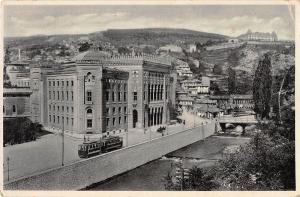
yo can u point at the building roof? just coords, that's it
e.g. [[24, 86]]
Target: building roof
[[93, 55], [242, 96], [185, 98], [206, 108], [191, 81], [206, 101], [19, 91]]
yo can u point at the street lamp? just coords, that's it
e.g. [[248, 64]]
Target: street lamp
[[150, 134], [126, 137]]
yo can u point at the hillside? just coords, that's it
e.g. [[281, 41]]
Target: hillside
[[121, 37], [244, 61], [155, 36]]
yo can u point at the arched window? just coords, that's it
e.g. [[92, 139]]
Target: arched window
[[89, 111]]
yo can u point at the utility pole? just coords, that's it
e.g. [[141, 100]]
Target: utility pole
[[7, 168], [63, 143]]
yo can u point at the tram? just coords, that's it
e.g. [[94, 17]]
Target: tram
[[92, 148]]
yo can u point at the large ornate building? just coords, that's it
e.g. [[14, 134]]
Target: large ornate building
[[259, 36], [98, 94]]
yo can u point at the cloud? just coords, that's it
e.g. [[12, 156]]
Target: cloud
[[91, 22]]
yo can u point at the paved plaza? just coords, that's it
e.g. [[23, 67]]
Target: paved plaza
[[46, 153]]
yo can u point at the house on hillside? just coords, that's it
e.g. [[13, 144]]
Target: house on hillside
[[192, 48], [171, 48]]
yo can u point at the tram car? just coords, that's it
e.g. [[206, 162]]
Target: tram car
[[96, 147]]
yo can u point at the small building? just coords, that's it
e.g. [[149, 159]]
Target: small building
[[171, 48], [207, 111], [186, 102], [231, 102], [192, 48], [18, 73], [16, 102]]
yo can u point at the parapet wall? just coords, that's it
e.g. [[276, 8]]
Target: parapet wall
[[86, 172]]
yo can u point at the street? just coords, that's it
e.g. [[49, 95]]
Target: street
[[46, 153]]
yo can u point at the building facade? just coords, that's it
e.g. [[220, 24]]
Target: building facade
[[259, 36], [99, 94], [16, 102]]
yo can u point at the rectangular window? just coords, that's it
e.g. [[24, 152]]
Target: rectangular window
[[49, 107], [14, 109], [72, 95], [119, 110], [119, 120], [113, 97], [63, 108], [67, 109], [53, 85], [53, 118], [67, 83], [144, 95], [57, 95], [107, 110], [134, 96], [114, 110], [67, 95], [125, 96], [57, 119], [72, 121], [49, 94], [89, 123], [62, 83], [49, 83], [57, 83], [49, 118], [125, 110], [89, 96], [67, 120], [62, 95], [54, 95], [125, 119], [72, 110], [114, 121], [107, 122], [119, 96], [72, 83], [58, 108], [107, 96]]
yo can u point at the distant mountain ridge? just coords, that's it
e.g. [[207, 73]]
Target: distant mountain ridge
[[155, 36]]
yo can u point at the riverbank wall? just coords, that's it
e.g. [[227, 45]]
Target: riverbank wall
[[86, 172]]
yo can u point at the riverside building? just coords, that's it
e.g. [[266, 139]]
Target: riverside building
[[97, 93]]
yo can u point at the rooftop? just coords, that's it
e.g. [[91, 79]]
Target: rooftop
[[25, 91]]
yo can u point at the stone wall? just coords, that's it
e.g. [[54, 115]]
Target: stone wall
[[86, 172]]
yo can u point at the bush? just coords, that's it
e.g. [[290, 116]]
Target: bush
[[20, 130]]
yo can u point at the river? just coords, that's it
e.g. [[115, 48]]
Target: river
[[148, 177]]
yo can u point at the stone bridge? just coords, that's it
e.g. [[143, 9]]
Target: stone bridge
[[238, 120]]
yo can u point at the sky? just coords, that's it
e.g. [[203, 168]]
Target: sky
[[230, 20]]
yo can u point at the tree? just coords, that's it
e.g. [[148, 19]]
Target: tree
[[231, 81], [218, 69], [84, 47], [7, 55], [262, 87]]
